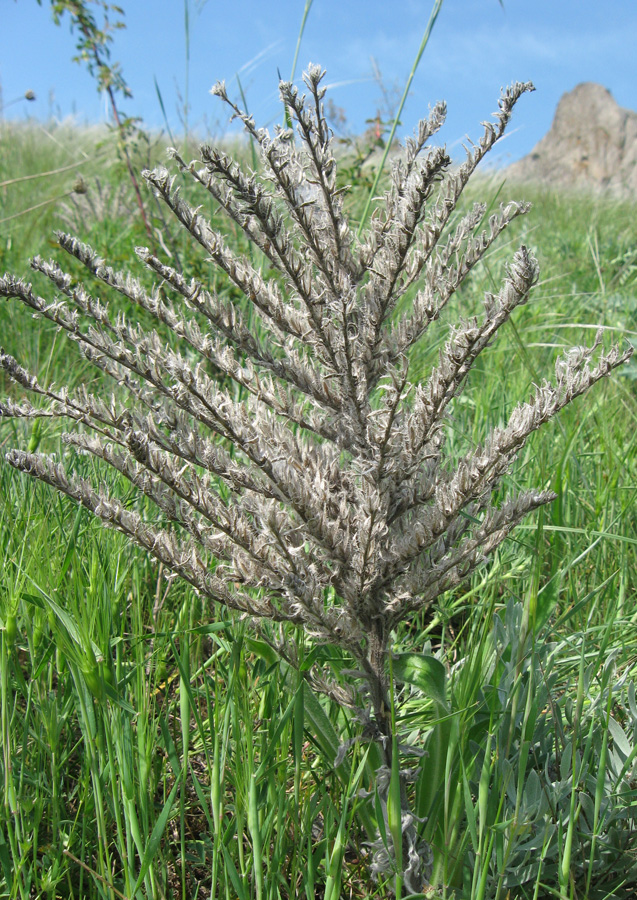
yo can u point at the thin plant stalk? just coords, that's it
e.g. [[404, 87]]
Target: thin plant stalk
[[381, 167], [306, 12], [187, 70]]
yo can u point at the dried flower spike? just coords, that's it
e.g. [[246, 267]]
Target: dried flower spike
[[311, 484]]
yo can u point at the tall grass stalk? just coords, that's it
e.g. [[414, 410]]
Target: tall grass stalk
[[437, 6], [306, 12]]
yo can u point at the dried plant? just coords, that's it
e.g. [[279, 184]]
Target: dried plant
[[311, 484]]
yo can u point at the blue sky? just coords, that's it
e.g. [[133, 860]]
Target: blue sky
[[477, 46]]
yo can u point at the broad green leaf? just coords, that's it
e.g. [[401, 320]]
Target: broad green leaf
[[319, 725], [262, 649], [532, 793], [423, 671], [322, 730], [620, 741]]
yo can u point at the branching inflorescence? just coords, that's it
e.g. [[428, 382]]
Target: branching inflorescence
[[310, 483]]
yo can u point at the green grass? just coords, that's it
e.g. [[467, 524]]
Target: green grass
[[154, 748]]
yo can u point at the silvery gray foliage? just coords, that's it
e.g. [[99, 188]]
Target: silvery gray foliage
[[311, 484]]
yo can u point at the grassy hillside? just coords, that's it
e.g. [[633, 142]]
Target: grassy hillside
[[155, 748]]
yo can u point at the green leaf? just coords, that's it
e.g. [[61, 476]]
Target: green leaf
[[262, 649], [204, 803], [210, 628], [423, 671], [319, 725], [620, 741], [231, 869], [532, 793], [502, 827], [269, 757], [5, 862], [169, 747], [299, 719], [380, 818], [394, 806], [70, 550], [469, 809], [156, 836]]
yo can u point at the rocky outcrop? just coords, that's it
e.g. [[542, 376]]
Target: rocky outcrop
[[592, 144]]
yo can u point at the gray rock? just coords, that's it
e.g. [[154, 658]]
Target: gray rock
[[592, 144]]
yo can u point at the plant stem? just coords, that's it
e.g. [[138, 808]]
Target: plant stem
[[425, 40], [120, 130]]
